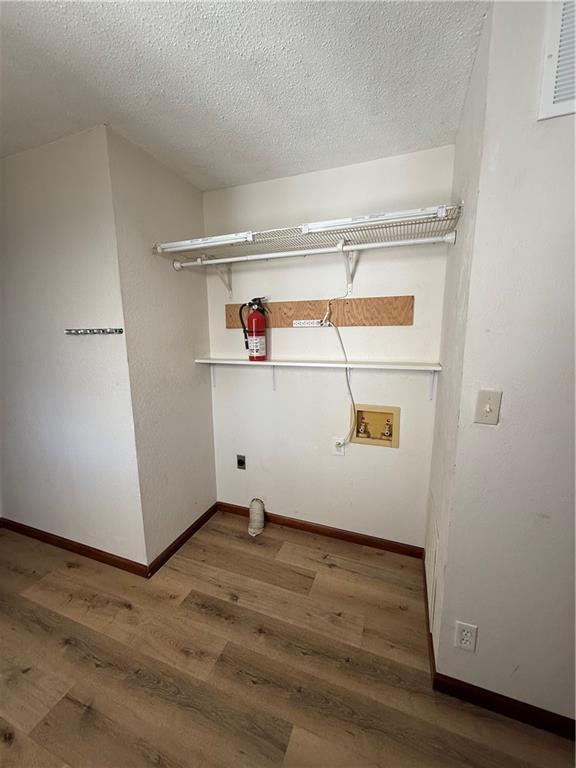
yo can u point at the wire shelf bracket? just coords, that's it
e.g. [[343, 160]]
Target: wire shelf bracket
[[225, 275], [350, 264]]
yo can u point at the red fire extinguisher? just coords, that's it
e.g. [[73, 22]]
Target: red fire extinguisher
[[255, 329]]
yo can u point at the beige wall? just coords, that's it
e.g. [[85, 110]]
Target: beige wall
[[108, 439], [69, 454], [166, 328], [467, 163], [286, 433], [510, 558]]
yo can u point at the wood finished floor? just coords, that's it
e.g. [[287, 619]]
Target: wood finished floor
[[289, 650]]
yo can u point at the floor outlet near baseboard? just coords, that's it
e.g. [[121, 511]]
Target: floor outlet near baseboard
[[465, 636], [338, 446]]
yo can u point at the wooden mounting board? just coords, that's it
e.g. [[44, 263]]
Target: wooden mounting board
[[376, 310]]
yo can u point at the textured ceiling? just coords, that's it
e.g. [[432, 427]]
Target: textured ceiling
[[228, 93]]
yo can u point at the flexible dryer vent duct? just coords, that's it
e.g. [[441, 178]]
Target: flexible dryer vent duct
[[256, 522]]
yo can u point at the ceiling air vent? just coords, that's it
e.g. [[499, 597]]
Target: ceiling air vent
[[558, 95]]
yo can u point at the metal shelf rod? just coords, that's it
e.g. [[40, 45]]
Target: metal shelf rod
[[201, 261]]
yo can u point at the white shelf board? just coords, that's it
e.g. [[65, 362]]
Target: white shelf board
[[377, 365]]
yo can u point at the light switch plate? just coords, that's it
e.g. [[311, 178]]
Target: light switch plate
[[488, 407]]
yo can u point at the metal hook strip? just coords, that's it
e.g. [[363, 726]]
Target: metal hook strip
[[92, 331]]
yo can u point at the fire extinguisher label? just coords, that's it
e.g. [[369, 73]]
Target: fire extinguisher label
[[257, 346]]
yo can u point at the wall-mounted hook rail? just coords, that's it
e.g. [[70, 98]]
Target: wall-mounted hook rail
[[93, 331]]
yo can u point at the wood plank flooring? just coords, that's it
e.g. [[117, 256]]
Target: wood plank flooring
[[291, 650]]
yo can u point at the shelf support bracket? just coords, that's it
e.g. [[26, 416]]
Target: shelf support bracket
[[433, 384], [350, 264], [273, 378], [225, 274]]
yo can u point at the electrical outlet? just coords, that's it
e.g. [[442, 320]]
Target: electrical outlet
[[240, 461], [306, 323], [338, 446], [465, 636]]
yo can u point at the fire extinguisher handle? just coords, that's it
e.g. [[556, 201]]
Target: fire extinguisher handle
[[258, 303]]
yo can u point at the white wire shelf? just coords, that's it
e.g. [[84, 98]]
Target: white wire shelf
[[376, 365], [414, 227]]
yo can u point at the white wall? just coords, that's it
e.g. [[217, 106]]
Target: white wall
[[286, 434], [467, 162], [510, 564], [166, 328], [68, 436]]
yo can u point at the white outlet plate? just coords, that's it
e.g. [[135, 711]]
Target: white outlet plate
[[306, 323], [466, 636], [338, 446], [488, 407]]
